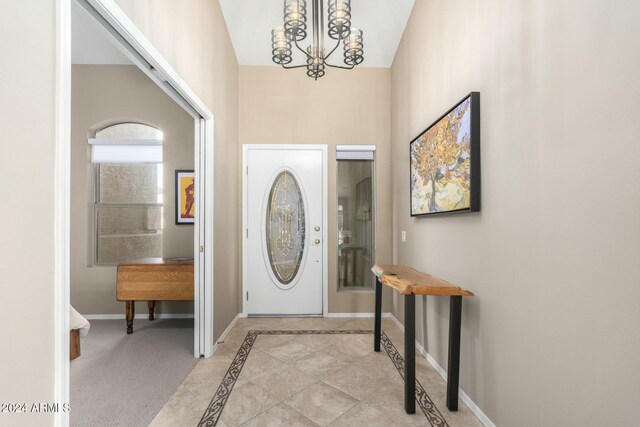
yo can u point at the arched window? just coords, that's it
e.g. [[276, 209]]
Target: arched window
[[128, 193]]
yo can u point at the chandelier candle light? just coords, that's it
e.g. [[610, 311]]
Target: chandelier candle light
[[294, 31]]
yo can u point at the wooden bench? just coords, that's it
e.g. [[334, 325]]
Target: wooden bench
[[153, 279], [410, 282]]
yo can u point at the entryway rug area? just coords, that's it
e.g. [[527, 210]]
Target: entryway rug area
[[347, 406], [124, 380]]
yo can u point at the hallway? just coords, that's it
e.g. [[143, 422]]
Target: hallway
[[308, 372]]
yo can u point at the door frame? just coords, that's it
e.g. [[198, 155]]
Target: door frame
[[325, 185], [130, 40]]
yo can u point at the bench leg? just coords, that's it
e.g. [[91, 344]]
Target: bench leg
[[130, 313], [410, 353], [152, 306], [377, 326], [453, 370], [74, 341]]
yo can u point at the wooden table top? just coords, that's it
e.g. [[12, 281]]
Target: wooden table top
[[155, 279], [407, 280]]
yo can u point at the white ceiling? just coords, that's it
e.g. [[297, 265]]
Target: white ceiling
[[250, 23], [89, 43]]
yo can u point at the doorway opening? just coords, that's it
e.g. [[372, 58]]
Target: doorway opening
[[114, 26]]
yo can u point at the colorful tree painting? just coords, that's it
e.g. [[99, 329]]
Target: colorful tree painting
[[440, 164]]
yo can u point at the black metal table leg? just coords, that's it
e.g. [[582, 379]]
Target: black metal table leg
[[378, 317], [410, 353], [453, 371]]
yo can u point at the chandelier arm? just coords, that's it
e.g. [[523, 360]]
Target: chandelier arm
[[338, 66], [293, 66], [306, 55], [332, 50]]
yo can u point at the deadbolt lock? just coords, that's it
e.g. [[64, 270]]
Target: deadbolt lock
[[317, 228]]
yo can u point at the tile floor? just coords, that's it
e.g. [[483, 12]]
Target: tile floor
[[308, 380]]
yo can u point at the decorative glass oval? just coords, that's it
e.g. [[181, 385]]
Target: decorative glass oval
[[285, 229]]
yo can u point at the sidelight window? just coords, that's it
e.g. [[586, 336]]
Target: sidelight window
[[356, 217]]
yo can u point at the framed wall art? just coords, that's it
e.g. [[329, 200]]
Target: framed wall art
[[185, 197], [445, 162]]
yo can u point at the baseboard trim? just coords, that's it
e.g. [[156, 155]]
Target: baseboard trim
[[482, 417], [141, 316], [355, 315], [397, 322], [220, 340]]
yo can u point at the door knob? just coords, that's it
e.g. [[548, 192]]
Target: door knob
[[317, 241]]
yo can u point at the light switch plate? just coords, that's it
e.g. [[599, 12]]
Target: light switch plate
[[403, 236]]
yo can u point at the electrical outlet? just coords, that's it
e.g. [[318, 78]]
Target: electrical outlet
[[403, 236]]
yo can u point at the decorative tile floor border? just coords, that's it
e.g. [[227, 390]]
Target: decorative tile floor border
[[214, 410]]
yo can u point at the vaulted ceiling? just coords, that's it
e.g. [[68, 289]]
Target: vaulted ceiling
[[250, 23]]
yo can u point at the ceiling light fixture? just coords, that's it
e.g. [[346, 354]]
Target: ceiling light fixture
[[294, 30]]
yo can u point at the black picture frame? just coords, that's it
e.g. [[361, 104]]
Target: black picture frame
[[474, 159], [179, 218]]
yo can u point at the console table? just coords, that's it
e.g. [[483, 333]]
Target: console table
[[153, 279], [410, 282]]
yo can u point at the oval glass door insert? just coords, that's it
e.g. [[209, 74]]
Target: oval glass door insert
[[285, 227]]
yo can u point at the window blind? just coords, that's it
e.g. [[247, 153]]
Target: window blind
[[126, 151], [355, 152]]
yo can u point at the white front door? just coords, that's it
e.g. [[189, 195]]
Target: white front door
[[284, 209]]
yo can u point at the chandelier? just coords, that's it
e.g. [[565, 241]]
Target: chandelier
[[294, 31]]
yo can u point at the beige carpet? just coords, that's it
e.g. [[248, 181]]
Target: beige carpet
[[124, 380]]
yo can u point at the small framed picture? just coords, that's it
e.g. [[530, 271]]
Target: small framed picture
[[185, 197]]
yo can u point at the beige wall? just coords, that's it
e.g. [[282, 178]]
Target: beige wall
[[551, 337], [193, 38], [27, 117], [344, 107], [103, 95]]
